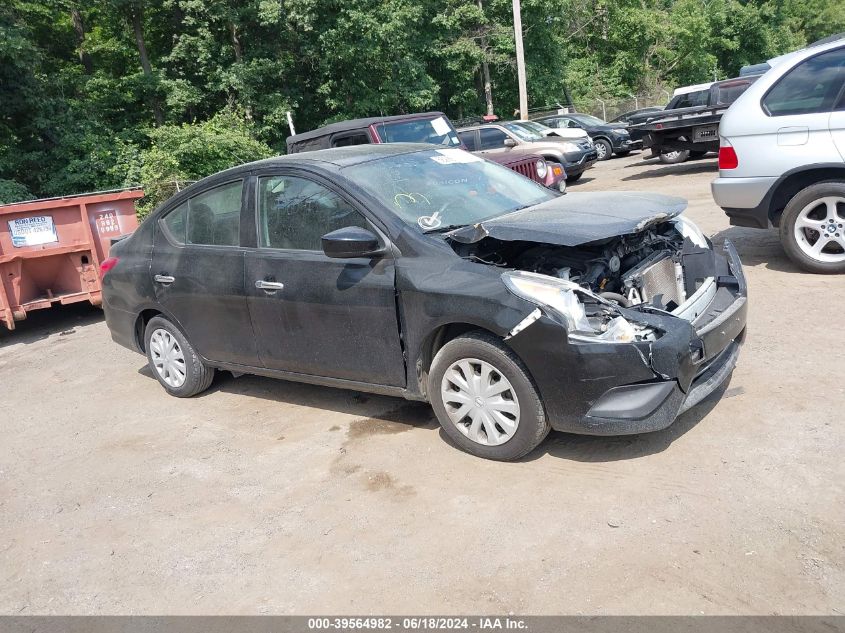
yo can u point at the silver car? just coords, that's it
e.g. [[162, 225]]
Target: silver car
[[782, 156]]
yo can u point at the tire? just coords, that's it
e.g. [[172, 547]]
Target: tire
[[575, 177], [478, 351], [197, 375], [673, 158], [808, 208], [604, 149], [697, 154]]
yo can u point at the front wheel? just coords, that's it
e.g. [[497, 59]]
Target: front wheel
[[173, 360], [811, 228], [574, 177], [485, 399], [603, 149]]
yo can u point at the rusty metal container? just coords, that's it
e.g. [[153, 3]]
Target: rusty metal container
[[51, 249]]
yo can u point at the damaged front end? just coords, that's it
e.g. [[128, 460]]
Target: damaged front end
[[652, 319]]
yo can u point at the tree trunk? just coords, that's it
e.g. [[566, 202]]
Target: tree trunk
[[79, 29], [136, 16], [236, 42], [485, 72]]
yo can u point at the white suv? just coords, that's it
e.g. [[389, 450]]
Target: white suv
[[782, 156]]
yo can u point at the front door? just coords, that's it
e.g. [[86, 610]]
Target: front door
[[198, 274], [313, 314]]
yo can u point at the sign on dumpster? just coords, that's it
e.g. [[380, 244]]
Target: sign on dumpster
[[33, 231]]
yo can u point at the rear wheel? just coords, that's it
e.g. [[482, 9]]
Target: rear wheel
[[173, 360], [485, 399], [603, 149], [811, 228]]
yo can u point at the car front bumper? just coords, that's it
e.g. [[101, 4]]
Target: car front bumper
[[620, 389], [577, 162], [744, 200]]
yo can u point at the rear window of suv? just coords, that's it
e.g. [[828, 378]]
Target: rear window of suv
[[812, 86]]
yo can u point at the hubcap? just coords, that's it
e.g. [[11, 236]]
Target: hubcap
[[601, 150], [168, 359], [480, 401], [819, 229]]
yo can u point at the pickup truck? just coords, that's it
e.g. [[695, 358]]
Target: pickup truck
[[677, 133]]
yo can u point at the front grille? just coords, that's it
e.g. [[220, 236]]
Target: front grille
[[527, 168]]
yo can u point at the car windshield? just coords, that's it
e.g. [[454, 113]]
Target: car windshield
[[438, 131], [521, 130], [443, 188], [587, 119], [539, 128]]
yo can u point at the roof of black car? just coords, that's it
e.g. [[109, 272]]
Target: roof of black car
[[355, 124], [342, 156]]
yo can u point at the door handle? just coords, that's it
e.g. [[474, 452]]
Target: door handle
[[269, 286], [164, 279]]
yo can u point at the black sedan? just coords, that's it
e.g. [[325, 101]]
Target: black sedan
[[609, 139], [434, 275]]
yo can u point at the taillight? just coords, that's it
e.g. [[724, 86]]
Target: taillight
[[728, 158], [107, 265]]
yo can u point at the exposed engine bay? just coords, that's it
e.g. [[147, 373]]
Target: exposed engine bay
[[659, 268]]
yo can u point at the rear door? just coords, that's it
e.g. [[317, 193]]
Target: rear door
[[198, 273], [313, 314]]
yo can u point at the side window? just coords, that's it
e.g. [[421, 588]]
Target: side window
[[812, 86], [468, 139], [359, 138], [214, 217], [177, 222], [295, 213], [491, 138]]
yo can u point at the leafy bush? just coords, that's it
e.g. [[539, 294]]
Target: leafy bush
[[181, 154], [13, 191]]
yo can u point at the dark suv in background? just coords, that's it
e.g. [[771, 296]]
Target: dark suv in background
[[607, 138]]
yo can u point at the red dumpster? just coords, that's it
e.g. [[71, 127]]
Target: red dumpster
[[51, 249]]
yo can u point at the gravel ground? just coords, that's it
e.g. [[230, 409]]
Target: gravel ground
[[264, 496]]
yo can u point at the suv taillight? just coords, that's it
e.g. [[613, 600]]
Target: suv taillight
[[107, 265], [728, 158]]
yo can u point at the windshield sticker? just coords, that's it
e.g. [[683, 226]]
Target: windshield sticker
[[454, 157], [428, 222], [440, 126]]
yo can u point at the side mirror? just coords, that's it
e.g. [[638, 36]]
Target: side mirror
[[350, 241], [509, 142]]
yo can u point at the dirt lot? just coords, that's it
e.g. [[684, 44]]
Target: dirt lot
[[264, 496]]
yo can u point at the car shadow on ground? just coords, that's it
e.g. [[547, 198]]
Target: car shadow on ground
[[60, 319], [757, 247], [581, 181], [692, 166], [377, 415]]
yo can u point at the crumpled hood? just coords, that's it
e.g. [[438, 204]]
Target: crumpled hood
[[577, 218]]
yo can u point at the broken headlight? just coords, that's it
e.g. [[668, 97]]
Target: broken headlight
[[687, 228], [561, 299]]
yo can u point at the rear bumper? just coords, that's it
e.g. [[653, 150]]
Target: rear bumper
[[621, 389], [744, 200]]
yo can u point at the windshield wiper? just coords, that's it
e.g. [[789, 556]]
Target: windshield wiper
[[445, 228]]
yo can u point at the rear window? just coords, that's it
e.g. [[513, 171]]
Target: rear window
[[812, 86], [437, 131], [727, 93]]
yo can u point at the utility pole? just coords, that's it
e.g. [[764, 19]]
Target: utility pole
[[520, 61]]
